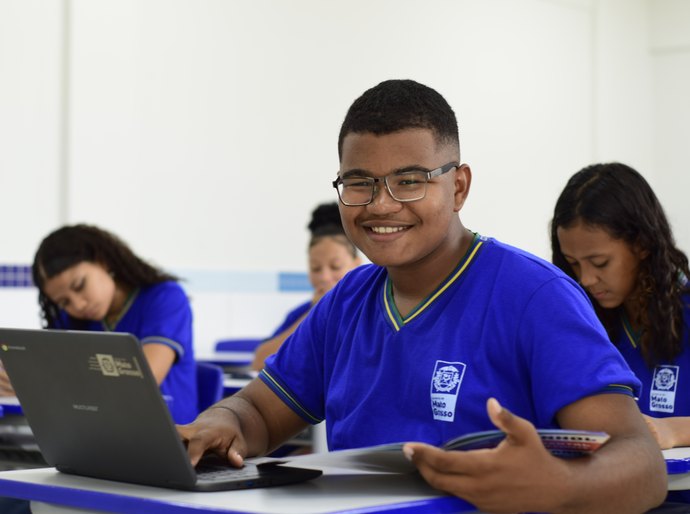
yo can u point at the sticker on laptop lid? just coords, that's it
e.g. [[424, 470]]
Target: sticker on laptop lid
[[111, 366]]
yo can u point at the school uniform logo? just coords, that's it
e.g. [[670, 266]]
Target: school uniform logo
[[445, 386], [662, 396]]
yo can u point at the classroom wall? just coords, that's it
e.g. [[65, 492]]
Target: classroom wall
[[204, 131], [670, 131]]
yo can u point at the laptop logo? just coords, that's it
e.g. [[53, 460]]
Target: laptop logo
[[107, 364], [81, 406], [8, 347], [110, 366]]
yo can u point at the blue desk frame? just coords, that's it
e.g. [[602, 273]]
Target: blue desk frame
[[330, 494]]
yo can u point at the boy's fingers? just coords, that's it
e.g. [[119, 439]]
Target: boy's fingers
[[518, 430], [430, 459]]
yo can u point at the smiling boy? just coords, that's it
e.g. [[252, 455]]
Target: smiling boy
[[447, 332]]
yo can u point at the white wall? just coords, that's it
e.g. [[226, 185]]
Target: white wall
[[30, 116], [211, 107], [670, 126], [179, 123]]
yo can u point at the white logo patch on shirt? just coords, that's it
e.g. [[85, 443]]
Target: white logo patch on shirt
[[662, 396], [445, 386]]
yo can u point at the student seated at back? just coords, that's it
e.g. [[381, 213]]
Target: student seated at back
[[331, 256], [610, 232], [447, 332], [89, 279]]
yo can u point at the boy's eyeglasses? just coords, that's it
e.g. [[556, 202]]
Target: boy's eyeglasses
[[405, 186]]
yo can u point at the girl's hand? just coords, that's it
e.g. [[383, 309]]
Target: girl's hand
[[662, 431]]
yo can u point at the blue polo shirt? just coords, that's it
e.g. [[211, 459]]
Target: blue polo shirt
[[503, 324]]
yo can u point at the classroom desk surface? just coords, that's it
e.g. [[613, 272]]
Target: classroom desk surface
[[337, 491], [228, 359], [232, 384], [678, 468]]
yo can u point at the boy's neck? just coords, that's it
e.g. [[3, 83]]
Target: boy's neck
[[413, 283]]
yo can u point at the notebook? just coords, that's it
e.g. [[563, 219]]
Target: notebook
[[95, 410]]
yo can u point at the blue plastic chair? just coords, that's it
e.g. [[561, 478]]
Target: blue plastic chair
[[238, 345], [209, 383]]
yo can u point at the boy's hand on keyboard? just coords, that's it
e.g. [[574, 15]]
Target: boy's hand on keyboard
[[216, 430]]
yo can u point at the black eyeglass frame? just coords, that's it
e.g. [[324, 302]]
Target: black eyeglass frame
[[437, 172]]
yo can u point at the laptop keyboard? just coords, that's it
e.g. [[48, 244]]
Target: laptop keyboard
[[214, 473]]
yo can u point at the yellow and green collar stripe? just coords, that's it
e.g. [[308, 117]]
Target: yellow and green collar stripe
[[397, 320]]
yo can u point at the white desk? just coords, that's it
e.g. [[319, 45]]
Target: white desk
[[678, 467], [232, 384], [336, 492], [228, 359]]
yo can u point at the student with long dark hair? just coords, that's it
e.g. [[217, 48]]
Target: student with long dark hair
[[89, 279], [610, 232]]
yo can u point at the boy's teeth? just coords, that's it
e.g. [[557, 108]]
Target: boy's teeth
[[386, 230]]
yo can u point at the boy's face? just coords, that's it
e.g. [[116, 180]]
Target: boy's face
[[392, 233]]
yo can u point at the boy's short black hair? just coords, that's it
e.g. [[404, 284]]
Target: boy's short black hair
[[395, 105]]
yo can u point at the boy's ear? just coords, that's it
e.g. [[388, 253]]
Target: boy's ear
[[463, 180]]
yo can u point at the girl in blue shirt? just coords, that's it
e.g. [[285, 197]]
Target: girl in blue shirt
[[610, 232], [89, 279]]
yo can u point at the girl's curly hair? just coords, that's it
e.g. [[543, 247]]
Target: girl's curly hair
[[616, 198], [73, 244]]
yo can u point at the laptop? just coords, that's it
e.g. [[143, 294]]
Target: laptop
[[95, 410]]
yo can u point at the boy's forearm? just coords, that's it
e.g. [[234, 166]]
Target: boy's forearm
[[252, 425], [265, 421], [627, 475]]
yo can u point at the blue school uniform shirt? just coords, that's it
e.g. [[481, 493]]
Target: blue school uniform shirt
[[665, 387], [161, 314], [503, 324], [291, 317]]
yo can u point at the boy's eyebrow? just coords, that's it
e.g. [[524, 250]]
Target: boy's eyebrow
[[364, 173]]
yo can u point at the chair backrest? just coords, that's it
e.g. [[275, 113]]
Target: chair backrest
[[238, 345], [209, 383]]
